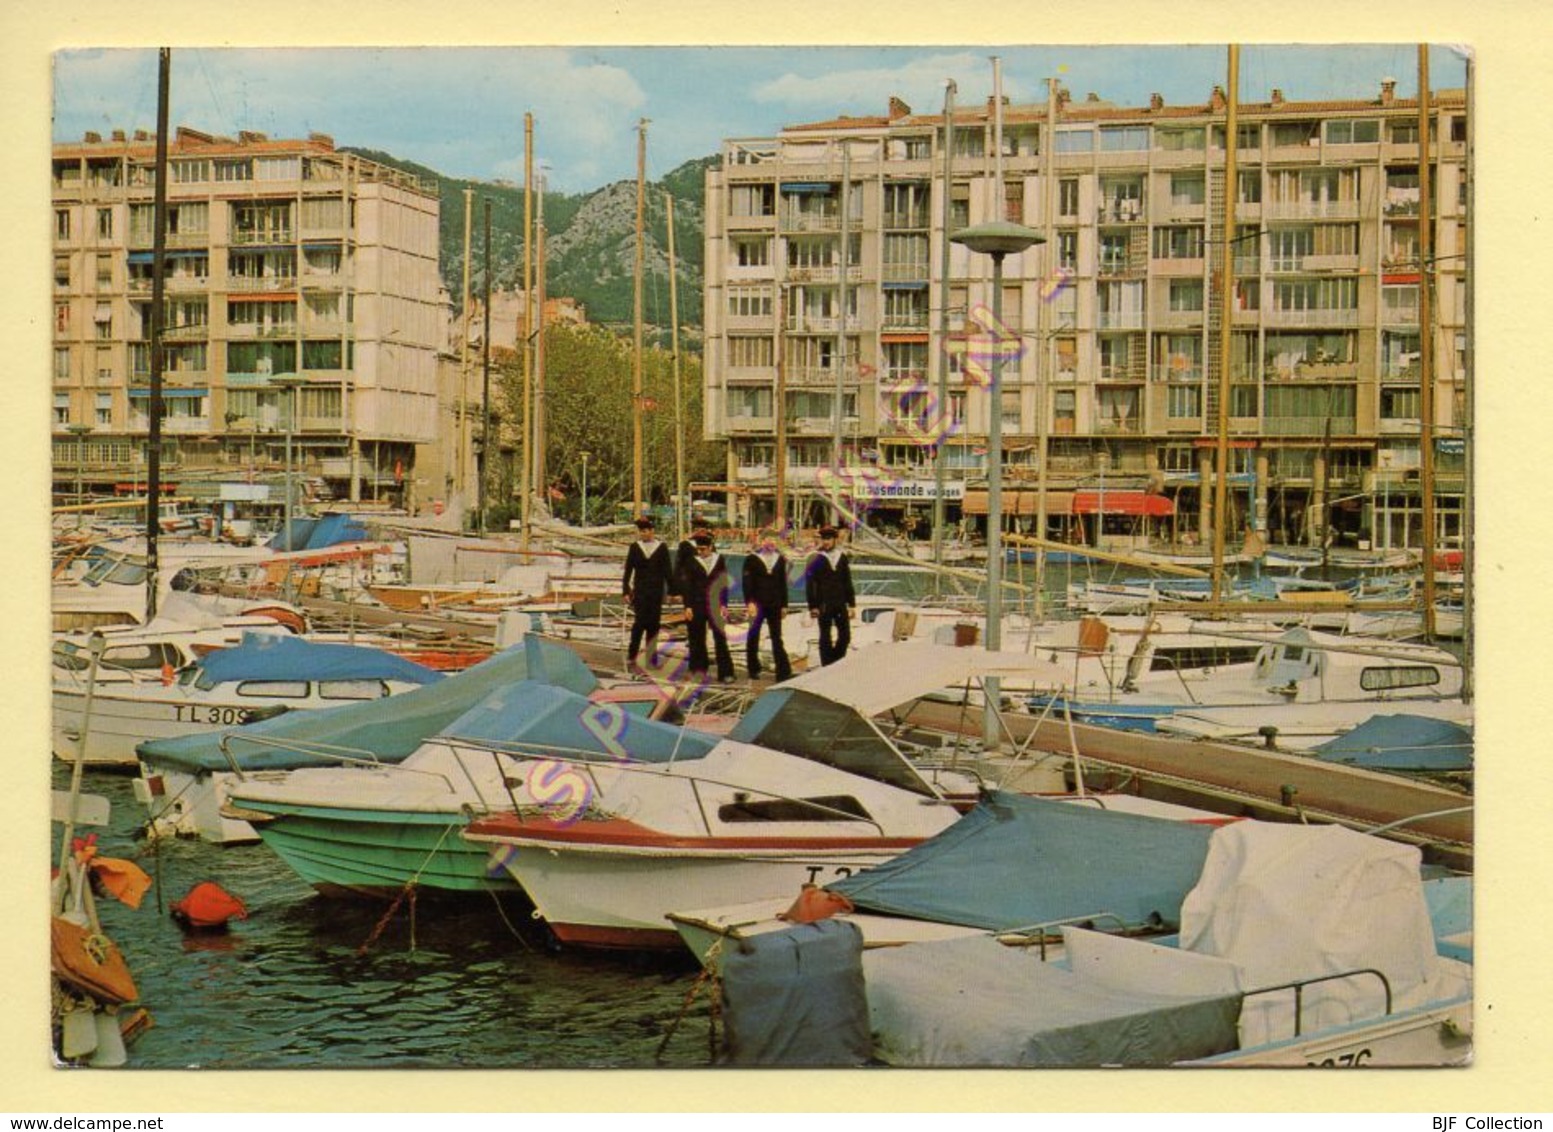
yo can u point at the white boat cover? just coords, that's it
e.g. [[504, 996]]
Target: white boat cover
[[1292, 902], [974, 1002], [882, 676]]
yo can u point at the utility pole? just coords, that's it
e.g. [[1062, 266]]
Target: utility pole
[[158, 321], [1426, 341], [1226, 321], [941, 355], [840, 360], [540, 476]]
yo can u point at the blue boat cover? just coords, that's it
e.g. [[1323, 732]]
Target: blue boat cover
[[1402, 742], [390, 729], [316, 534], [1016, 861], [796, 997], [274, 656], [536, 718]]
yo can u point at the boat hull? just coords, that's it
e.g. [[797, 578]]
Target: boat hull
[[366, 852], [120, 724], [617, 897]]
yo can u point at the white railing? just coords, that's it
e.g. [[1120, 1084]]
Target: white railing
[[1312, 318], [1120, 320]]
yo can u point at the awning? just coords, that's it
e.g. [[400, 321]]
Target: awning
[[808, 187], [266, 297], [907, 285], [1123, 503], [1020, 501], [914, 336], [184, 253], [169, 391]]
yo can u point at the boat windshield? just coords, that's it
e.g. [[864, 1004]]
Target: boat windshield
[[116, 571], [809, 727]]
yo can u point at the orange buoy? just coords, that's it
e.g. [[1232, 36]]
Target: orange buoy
[[208, 906]]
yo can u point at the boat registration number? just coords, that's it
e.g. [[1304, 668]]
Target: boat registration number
[[220, 716], [1343, 1061], [835, 873]]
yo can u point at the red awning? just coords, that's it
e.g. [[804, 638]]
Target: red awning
[[1123, 503]]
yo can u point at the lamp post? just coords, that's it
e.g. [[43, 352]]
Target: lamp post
[[997, 239], [79, 431], [584, 457], [293, 383]]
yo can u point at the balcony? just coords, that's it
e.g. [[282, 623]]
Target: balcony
[[1399, 426], [1178, 268], [178, 426], [748, 472], [1165, 371], [1119, 426], [819, 377], [1124, 212], [1319, 317], [1119, 320], [825, 273], [905, 321], [1117, 265], [765, 223], [1295, 264], [269, 284], [814, 222], [262, 237], [906, 273], [1309, 426], [1310, 210], [801, 323], [1119, 373], [766, 322], [171, 284], [198, 333], [1314, 371], [744, 426], [1403, 314], [917, 218], [1178, 320], [244, 331]]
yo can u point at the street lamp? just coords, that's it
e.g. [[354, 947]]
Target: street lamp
[[583, 456], [79, 431], [998, 239]]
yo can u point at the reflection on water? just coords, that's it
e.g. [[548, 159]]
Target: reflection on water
[[444, 984]]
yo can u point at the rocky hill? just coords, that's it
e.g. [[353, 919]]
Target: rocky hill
[[592, 241]]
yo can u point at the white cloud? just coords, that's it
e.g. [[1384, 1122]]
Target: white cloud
[[919, 81]]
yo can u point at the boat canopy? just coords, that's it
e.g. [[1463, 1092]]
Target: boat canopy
[[883, 676], [531, 717], [272, 656], [804, 725], [1016, 861], [316, 534], [1402, 742], [390, 729]]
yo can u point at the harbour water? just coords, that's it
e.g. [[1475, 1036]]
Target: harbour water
[[307, 982]]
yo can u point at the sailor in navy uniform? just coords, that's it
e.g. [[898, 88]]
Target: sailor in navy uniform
[[704, 585], [765, 597], [645, 585], [832, 600]]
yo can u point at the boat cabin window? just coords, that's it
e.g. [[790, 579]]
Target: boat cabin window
[[274, 689], [117, 571], [826, 732], [1398, 676], [142, 657], [1203, 656], [352, 689], [829, 807]]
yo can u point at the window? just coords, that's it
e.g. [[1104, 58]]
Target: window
[[1186, 295], [277, 168], [61, 408], [1113, 251], [959, 205], [104, 272], [105, 223], [1242, 400], [102, 318], [1067, 359], [905, 361], [103, 408], [61, 271], [1398, 676], [1250, 188], [745, 402], [1187, 189], [61, 317], [750, 353], [1316, 294], [1009, 405], [1067, 250], [62, 224], [192, 218], [1351, 131], [1114, 139], [1114, 353], [1014, 202], [62, 363], [238, 169], [969, 143], [752, 200], [1459, 128], [1180, 356], [1178, 243], [906, 204], [321, 355], [905, 252], [1294, 133], [104, 365], [1067, 196], [919, 149], [1183, 401], [1403, 132], [1176, 140], [188, 171], [1064, 411], [749, 302], [1401, 404], [751, 252], [261, 357], [1079, 139], [272, 689]]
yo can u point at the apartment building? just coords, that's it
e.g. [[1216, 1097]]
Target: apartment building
[[1112, 326], [301, 297]]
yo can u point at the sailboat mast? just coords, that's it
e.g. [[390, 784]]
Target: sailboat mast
[[462, 463], [541, 252], [679, 414], [1469, 554], [941, 355], [1226, 320], [636, 362], [1426, 342], [524, 479], [158, 318]]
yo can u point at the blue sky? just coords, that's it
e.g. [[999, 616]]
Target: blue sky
[[460, 110]]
